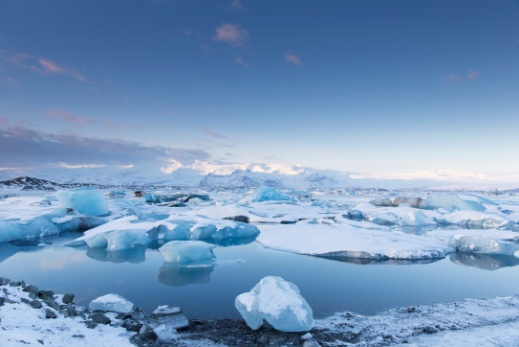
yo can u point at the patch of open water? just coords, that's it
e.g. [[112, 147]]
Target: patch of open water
[[329, 286]]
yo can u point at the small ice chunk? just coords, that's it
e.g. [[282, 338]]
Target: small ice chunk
[[189, 253], [266, 193], [279, 303], [86, 200], [126, 239], [111, 303]]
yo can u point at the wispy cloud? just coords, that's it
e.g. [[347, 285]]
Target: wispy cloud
[[215, 134], [240, 61], [232, 34], [473, 74], [31, 148], [66, 116], [470, 76], [109, 124], [41, 65], [452, 78], [14, 82], [237, 4], [293, 59]]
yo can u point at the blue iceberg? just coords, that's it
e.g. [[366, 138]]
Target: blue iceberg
[[85, 200]]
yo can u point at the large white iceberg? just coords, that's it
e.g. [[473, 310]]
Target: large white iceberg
[[85, 200], [279, 303], [192, 253]]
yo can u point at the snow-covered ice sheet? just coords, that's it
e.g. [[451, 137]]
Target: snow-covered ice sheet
[[346, 240]]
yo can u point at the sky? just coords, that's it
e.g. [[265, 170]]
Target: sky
[[374, 87]]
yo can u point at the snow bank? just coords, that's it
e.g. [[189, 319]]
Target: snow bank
[[23, 325]]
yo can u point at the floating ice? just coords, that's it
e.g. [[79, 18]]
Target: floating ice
[[266, 193], [451, 202], [483, 245], [119, 239], [352, 240], [474, 219], [85, 200], [189, 253], [401, 215], [111, 303], [160, 197], [279, 303]]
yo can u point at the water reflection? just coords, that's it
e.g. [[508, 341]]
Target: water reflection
[[483, 261], [134, 255], [379, 261], [173, 274]]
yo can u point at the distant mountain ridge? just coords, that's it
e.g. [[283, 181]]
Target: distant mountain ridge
[[31, 183]]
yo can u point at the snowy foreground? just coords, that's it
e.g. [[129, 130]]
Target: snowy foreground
[[472, 322], [370, 225]]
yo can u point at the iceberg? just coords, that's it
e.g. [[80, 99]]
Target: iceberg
[[474, 220], [188, 253], [451, 202], [85, 200], [482, 245], [118, 240], [279, 303], [111, 303], [266, 193], [240, 230]]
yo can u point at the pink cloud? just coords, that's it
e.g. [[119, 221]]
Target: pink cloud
[[240, 61], [50, 66], [473, 74], [214, 134], [109, 124], [231, 34], [293, 59], [68, 117]]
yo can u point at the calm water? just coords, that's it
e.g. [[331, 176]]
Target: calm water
[[328, 285]]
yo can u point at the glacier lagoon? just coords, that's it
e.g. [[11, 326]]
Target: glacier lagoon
[[329, 286], [372, 250]]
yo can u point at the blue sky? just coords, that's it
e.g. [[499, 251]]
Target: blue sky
[[361, 86]]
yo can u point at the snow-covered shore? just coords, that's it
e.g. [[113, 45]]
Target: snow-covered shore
[[471, 322]]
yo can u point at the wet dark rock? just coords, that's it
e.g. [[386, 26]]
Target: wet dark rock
[[35, 304], [17, 284], [31, 289], [68, 298], [4, 281], [69, 311], [146, 333], [33, 296], [2, 302], [46, 294], [52, 304], [131, 324], [99, 318], [50, 314], [410, 309], [90, 324], [239, 218]]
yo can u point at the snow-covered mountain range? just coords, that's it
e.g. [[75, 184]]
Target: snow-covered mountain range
[[231, 175]]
